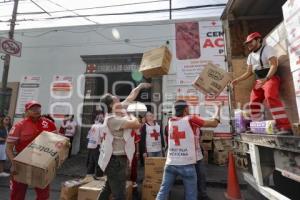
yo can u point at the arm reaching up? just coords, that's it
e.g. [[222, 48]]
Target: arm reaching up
[[134, 93]]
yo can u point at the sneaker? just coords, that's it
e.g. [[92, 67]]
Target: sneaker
[[4, 174]]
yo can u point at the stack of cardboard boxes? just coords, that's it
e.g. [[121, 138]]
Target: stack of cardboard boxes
[[87, 189], [206, 143], [221, 147], [69, 189], [154, 169], [240, 154]]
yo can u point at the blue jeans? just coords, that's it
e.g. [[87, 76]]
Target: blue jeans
[[201, 179], [154, 154], [189, 178]]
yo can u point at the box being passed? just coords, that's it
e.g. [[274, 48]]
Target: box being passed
[[212, 80], [36, 165], [156, 62]]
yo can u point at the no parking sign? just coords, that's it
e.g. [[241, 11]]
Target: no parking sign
[[10, 47]]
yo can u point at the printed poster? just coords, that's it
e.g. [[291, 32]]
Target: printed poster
[[28, 90], [291, 15], [61, 90], [196, 44]]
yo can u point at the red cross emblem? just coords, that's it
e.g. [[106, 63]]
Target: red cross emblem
[[177, 135], [154, 134]]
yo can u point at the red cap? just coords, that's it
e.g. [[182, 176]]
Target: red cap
[[29, 104], [252, 36]]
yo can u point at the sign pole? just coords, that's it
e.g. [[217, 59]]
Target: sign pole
[[7, 59]]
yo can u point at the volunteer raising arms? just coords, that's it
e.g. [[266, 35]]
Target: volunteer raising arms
[[118, 146], [183, 151]]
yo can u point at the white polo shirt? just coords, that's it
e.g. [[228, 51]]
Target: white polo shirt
[[254, 57]]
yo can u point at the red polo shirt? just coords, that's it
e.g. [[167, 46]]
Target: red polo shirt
[[26, 130]]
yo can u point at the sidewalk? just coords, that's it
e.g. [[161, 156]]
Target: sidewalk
[[76, 167]]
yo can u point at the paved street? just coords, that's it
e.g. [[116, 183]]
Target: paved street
[[75, 167]]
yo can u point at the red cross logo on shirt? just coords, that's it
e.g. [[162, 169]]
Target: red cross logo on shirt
[[154, 134], [177, 135]]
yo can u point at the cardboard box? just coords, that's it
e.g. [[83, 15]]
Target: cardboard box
[[150, 190], [92, 190], [154, 168], [218, 145], [156, 62], [206, 145], [220, 157], [69, 189], [296, 129], [227, 144], [212, 80], [37, 163], [205, 156], [222, 144], [207, 134]]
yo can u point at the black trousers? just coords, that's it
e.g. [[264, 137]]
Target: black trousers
[[71, 142], [92, 162]]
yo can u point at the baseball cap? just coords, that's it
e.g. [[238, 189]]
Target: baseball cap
[[252, 36], [30, 104]]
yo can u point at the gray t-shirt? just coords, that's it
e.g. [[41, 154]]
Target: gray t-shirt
[[114, 124]]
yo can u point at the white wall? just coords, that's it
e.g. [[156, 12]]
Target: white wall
[[57, 51]]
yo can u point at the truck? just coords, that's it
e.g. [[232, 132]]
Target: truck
[[270, 162]]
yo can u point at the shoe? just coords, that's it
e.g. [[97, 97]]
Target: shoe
[[204, 198], [284, 132], [134, 185], [97, 177], [4, 174]]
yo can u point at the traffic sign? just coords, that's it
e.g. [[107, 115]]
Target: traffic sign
[[10, 47]]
